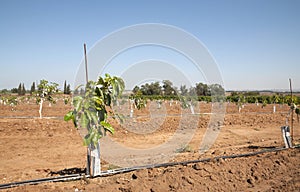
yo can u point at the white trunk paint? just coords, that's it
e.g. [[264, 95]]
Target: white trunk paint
[[41, 107], [93, 160], [131, 109], [192, 108]]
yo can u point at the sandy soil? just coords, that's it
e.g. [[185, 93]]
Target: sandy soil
[[37, 148]]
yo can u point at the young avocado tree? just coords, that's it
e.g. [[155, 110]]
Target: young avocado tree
[[275, 100], [45, 92], [137, 99], [90, 112]]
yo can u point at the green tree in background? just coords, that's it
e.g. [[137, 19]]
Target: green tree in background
[[32, 89], [67, 89], [23, 91]]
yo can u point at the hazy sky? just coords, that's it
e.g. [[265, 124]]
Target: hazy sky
[[256, 43]]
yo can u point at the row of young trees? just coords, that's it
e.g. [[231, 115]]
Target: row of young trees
[[21, 90], [276, 98], [203, 92]]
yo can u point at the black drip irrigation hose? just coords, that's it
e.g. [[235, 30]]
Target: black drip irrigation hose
[[44, 180], [73, 177]]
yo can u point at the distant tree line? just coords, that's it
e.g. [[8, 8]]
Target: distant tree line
[[167, 89], [21, 90]]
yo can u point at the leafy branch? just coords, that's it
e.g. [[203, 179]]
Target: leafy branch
[[45, 92], [90, 111]]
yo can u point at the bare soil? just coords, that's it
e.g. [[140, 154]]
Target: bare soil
[[36, 148]]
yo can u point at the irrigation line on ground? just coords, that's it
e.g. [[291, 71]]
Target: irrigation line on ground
[[73, 177], [140, 116], [30, 117]]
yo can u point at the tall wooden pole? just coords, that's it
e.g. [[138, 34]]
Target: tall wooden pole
[[93, 152], [292, 115], [86, 68], [88, 155]]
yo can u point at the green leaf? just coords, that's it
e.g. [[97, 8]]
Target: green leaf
[[69, 116], [87, 139], [107, 127], [98, 100], [84, 121]]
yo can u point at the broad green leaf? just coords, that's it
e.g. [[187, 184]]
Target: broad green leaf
[[84, 121], [108, 127], [69, 116], [98, 100]]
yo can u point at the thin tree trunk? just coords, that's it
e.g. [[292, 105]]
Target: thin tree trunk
[[41, 107]]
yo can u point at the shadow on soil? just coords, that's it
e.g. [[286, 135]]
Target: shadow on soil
[[69, 171]]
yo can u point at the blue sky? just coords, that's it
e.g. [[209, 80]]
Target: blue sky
[[254, 42]]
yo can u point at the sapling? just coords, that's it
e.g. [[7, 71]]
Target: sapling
[[66, 100], [275, 101], [264, 103], [256, 102], [90, 113], [131, 103], [171, 102], [191, 107], [159, 102], [45, 92], [138, 101], [239, 104]]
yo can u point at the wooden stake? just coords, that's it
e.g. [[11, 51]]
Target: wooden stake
[[292, 115], [88, 155], [93, 166], [86, 68]]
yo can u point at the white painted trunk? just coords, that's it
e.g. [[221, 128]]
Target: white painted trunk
[[274, 109], [41, 108], [192, 108], [93, 160], [131, 110]]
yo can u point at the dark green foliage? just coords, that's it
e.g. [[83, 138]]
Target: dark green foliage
[[21, 89], [183, 90], [45, 91], [202, 89], [67, 89], [14, 90], [23, 92], [32, 89], [168, 88]]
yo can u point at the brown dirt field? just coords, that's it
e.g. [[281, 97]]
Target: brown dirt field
[[36, 148]]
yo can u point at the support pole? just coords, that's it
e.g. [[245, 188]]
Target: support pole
[[86, 68], [88, 151], [292, 115], [93, 164]]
